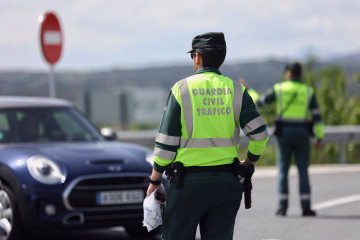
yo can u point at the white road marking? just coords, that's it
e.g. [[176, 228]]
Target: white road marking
[[335, 202], [269, 172]]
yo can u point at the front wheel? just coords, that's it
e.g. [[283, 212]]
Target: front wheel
[[139, 231], [10, 223]]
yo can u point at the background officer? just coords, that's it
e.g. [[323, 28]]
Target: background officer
[[253, 94], [294, 103], [200, 129]]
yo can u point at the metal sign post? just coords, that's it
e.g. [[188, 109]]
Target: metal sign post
[[51, 41], [51, 82]]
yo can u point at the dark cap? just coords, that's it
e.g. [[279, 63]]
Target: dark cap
[[208, 40]]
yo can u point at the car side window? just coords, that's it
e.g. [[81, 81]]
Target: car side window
[[4, 128]]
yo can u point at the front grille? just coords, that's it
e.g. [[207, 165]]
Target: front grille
[[110, 183], [83, 194]]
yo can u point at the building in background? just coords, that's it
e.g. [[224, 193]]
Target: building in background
[[124, 108]]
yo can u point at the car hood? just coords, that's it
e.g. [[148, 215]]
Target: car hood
[[89, 157]]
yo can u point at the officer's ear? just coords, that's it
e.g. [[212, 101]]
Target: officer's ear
[[198, 59]]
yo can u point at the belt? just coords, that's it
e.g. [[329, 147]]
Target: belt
[[218, 168]]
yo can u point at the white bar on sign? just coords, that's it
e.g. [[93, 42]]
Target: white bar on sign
[[52, 38]]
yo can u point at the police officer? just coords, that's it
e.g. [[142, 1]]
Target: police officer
[[297, 111], [200, 130]]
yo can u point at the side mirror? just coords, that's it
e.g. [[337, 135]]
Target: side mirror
[[109, 134]]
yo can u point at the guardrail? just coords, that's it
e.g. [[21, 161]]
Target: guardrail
[[333, 134]]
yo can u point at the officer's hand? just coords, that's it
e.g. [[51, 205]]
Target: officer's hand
[[318, 144], [244, 83], [247, 162], [160, 195], [151, 188]]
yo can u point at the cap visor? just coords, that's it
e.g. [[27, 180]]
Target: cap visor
[[191, 51]]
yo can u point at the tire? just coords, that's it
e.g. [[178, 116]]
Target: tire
[[140, 231], [9, 216]]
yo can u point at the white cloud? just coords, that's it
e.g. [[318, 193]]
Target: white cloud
[[107, 33]]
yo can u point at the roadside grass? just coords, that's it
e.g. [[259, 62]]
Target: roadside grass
[[329, 154]]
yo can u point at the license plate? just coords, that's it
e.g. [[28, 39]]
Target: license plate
[[119, 197]]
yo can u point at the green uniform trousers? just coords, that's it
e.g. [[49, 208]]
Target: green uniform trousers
[[294, 140], [211, 200]]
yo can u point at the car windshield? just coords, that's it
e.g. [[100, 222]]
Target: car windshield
[[45, 124]]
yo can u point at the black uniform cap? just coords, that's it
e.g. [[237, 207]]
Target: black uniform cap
[[208, 40]]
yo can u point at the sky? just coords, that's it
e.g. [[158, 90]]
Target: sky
[[108, 34]]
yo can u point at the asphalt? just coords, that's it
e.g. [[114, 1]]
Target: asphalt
[[335, 197]]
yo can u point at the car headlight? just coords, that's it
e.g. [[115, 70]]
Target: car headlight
[[150, 158], [45, 170]]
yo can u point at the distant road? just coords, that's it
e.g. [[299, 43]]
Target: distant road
[[336, 196]]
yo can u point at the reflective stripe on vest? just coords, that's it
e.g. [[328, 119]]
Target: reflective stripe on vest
[[188, 117], [315, 111], [308, 102]]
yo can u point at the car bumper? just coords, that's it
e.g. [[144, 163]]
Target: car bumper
[[75, 207]]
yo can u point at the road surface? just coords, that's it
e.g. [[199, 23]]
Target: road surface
[[336, 197]]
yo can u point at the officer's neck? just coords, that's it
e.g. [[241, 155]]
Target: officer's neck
[[197, 63], [197, 68]]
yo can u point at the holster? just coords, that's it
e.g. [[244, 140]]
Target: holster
[[176, 174], [248, 186], [239, 170], [244, 175]]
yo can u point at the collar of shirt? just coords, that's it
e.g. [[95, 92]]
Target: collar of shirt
[[208, 69], [296, 80]]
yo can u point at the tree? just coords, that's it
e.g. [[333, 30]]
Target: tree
[[336, 107]]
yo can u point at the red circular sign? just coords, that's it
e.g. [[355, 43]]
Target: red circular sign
[[51, 38]]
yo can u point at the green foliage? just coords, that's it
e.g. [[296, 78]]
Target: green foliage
[[357, 78], [337, 108], [268, 158], [330, 86], [331, 96], [268, 114]]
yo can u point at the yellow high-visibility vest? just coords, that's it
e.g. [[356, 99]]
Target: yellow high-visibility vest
[[292, 101], [210, 109], [253, 94]]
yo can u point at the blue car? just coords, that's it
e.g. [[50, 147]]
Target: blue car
[[58, 172]]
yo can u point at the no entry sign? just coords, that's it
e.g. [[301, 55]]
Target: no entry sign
[[51, 38]]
